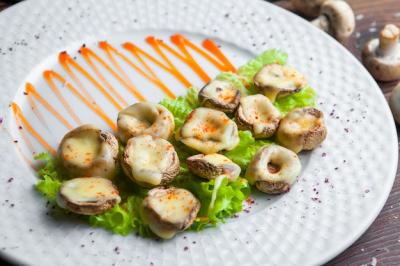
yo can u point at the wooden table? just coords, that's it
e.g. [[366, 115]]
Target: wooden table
[[380, 245]]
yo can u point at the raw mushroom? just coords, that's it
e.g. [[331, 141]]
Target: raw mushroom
[[145, 119], [394, 102], [208, 131], [168, 211], [213, 165], [150, 161], [273, 169], [276, 80], [89, 151], [310, 8], [382, 56], [257, 114], [88, 195], [336, 18], [220, 95], [302, 129]]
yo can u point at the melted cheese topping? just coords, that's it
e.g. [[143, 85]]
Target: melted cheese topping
[[149, 158], [173, 206], [136, 118], [285, 159], [280, 77], [145, 118], [209, 131], [81, 150], [221, 91], [88, 189], [162, 232], [299, 122], [216, 159], [258, 109]]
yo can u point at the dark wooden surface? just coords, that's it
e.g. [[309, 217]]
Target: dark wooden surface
[[380, 245]]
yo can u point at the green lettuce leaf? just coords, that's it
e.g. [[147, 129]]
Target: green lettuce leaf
[[117, 220], [182, 105], [306, 97], [49, 188], [51, 176], [244, 152], [228, 201], [123, 218], [235, 80], [248, 70]]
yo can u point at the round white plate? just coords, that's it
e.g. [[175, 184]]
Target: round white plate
[[343, 185]]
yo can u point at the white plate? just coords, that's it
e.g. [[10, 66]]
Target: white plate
[[341, 190]]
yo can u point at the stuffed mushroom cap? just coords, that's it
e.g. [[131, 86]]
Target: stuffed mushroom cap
[[89, 151], [88, 195], [150, 161], [273, 169], [145, 119], [257, 114], [211, 166], [276, 80], [302, 129], [168, 211], [208, 131], [220, 95]]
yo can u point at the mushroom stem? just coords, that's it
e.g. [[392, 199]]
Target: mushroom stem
[[388, 39], [321, 22], [336, 18], [309, 8]]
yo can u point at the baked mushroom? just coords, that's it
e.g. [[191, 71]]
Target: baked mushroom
[[168, 211], [257, 114], [208, 131], [89, 151], [302, 129], [220, 95], [213, 165], [145, 119], [276, 80], [273, 169], [382, 56], [309, 8], [150, 161], [394, 102], [88, 195], [336, 18]]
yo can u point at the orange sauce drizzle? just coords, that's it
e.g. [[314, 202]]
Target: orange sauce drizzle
[[88, 53], [151, 76], [108, 49], [211, 53], [20, 117], [49, 75], [65, 60], [31, 91]]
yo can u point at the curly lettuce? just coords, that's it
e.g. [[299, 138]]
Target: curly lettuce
[[51, 176], [227, 200], [123, 219], [244, 152], [182, 105], [306, 97]]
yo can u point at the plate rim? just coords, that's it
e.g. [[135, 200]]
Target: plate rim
[[395, 152]]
